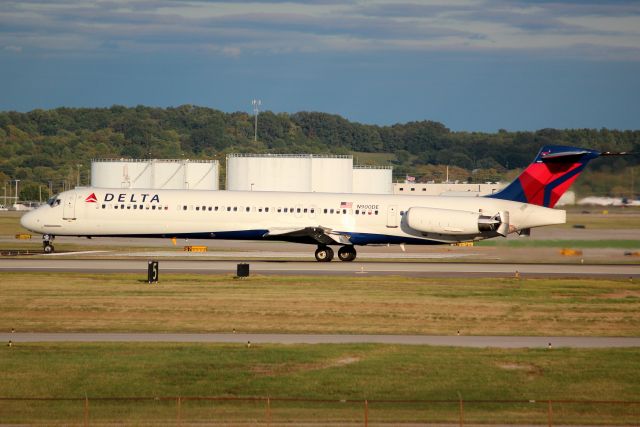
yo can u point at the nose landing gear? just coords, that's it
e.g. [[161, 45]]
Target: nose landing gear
[[47, 243]]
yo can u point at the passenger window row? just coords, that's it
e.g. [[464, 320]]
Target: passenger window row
[[235, 209]]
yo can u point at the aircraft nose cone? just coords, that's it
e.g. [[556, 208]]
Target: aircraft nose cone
[[29, 221]]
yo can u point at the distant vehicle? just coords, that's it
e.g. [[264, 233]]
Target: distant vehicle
[[21, 207], [321, 219]]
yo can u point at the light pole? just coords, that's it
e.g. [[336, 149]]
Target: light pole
[[17, 181], [78, 180], [256, 110]]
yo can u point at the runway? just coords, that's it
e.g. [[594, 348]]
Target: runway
[[415, 269], [432, 340]]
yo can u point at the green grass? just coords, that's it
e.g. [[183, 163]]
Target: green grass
[[616, 219], [316, 372], [528, 243], [332, 304], [10, 223]]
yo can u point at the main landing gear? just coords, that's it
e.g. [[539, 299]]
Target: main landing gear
[[47, 243], [345, 253]]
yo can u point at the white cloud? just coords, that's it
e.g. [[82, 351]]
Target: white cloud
[[239, 27]]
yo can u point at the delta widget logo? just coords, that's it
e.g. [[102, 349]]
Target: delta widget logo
[[91, 198]]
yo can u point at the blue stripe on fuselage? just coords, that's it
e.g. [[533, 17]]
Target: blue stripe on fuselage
[[356, 238]]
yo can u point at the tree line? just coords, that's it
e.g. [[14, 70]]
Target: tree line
[[50, 147]]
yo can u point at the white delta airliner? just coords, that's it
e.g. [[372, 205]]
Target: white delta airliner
[[322, 219]]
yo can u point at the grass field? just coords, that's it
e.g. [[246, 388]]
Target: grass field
[[332, 304], [318, 372], [10, 223]]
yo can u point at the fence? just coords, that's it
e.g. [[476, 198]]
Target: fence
[[270, 411]]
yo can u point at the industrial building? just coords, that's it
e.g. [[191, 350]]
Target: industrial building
[[165, 174]]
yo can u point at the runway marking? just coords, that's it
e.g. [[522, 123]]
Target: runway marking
[[75, 253], [242, 338]]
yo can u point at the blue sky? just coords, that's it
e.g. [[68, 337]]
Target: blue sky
[[475, 65]]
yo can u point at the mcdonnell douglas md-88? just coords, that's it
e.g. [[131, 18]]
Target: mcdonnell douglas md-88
[[322, 219]]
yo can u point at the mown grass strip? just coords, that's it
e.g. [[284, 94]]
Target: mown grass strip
[[333, 372], [42, 302]]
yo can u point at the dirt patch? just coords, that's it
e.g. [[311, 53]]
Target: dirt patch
[[528, 368], [621, 294], [287, 368]]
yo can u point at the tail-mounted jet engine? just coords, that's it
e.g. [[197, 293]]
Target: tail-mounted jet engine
[[451, 221]]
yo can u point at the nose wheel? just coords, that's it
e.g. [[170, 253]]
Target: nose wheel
[[47, 244], [324, 254]]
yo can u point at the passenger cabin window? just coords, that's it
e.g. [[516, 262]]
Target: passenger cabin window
[[247, 209]]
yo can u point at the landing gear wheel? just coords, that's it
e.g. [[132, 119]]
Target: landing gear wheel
[[347, 253], [324, 254], [47, 247]]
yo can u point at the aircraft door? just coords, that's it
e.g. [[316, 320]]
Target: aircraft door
[[69, 209], [392, 216]]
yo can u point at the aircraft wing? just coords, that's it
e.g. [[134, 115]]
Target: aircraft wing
[[322, 235]]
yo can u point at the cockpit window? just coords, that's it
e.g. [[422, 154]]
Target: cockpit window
[[54, 201]]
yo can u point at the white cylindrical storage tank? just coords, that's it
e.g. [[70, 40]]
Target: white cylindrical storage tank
[[373, 179], [186, 174], [122, 173], [332, 174], [155, 173], [202, 175], [289, 172], [277, 172]]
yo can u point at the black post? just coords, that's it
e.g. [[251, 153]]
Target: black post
[[153, 272], [243, 270]]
